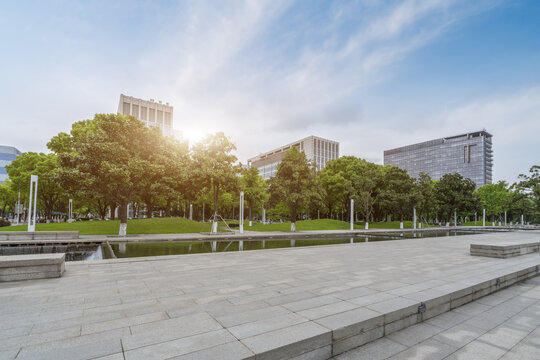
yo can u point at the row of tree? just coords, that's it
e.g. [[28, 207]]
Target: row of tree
[[113, 161]]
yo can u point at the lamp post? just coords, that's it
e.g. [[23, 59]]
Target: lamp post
[[241, 215], [32, 210]]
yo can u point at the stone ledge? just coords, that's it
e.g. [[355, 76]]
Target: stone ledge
[[38, 235], [505, 250], [357, 327], [27, 267]]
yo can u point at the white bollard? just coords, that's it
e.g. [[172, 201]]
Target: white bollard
[[401, 224], [484, 217], [352, 214], [367, 226], [414, 218], [190, 211]]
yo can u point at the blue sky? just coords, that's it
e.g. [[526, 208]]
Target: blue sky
[[371, 74]]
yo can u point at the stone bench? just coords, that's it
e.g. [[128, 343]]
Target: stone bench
[[505, 250], [38, 235], [29, 267]]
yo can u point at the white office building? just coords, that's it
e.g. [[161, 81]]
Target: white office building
[[317, 149], [150, 112]]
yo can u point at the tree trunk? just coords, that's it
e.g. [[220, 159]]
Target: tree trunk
[[149, 208], [216, 193], [293, 218], [168, 208], [122, 214], [112, 206]]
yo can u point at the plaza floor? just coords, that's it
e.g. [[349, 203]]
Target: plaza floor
[[274, 304], [504, 325]]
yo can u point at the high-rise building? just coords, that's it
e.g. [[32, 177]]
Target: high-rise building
[[469, 154], [151, 113], [317, 149], [7, 155]]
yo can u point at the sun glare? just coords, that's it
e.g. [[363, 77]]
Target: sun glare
[[193, 135]]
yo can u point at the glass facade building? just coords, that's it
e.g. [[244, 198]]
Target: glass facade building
[[317, 149], [470, 155], [7, 155]]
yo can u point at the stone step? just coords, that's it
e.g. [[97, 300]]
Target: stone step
[[30, 267]]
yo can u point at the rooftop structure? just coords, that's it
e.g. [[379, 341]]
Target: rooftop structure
[[7, 155], [151, 113], [468, 154], [317, 149]]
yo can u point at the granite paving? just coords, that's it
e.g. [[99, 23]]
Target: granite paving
[[294, 303], [504, 325]]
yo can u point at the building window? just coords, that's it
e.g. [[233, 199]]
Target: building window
[[135, 111], [160, 117], [127, 108], [168, 118], [144, 111], [152, 117]]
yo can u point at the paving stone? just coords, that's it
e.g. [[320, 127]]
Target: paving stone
[[326, 310], [479, 351], [82, 347], [378, 349], [354, 293], [504, 337], [124, 322], [521, 351], [182, 346], [289, 342], [265, 325], [234, 350], [311, 303], [430, 349], [414, 334], [251, 316], [352, 322], [395, 309], [459, 335]]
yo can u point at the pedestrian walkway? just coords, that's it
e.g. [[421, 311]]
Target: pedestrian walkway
[[296, 303], [504, 325]]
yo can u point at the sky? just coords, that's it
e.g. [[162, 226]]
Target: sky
[[373, 75]]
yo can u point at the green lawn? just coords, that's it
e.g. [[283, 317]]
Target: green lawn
[[325, 224], [179, 225], [110, 227], [479, 223]]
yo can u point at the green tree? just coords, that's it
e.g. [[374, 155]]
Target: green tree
[[424, 188], [531, 184], [214, 166], [255, 189], [494, 198], [334, 186], [397, 196], [106, 157], [367, 181], [454, 193], [44, 166], [7, 198], [295, 183]]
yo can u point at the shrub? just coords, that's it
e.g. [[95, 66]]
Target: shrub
[[4, 222]]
